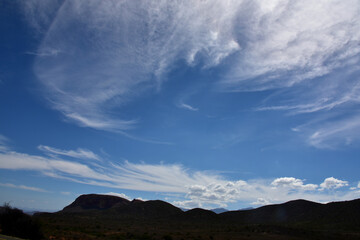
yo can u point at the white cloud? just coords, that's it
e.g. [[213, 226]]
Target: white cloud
[[219, 192], [358, 185], [10, 185], [261, 202], [188, 204], [292, 182], [79, 153], [259, 192], [333, 183]]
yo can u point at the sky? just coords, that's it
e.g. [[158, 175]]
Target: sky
[[228, 103]]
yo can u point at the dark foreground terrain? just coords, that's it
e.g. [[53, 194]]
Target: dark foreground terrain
[[107, 217]]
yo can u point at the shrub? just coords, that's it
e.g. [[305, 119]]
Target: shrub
[[14, 222]]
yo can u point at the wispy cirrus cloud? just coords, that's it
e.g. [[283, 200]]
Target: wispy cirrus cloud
[[41, 13], [343, 132], [45, 53], [187, 107], [4, 143], [195, 188], [290, 42], [78, 153], [144, 177], [100, 68], [331, 132], [10, 185], [311, 53], [96, 57]]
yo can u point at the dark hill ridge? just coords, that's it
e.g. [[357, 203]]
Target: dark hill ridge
[[344, 213], [95, 201], [289, 211], [199, 214], [113, 205], [293, 211], [144, 209]]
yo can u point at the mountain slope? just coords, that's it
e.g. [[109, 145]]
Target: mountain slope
[[112, 205], [95, 201], [300, 211]]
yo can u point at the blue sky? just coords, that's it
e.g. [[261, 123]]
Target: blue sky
[[201, 104]]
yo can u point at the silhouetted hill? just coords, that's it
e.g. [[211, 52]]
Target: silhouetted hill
[[95, 201], [300, 211], [289, 211], [144, 209], [347, 212], [113, 205], [199, 214]]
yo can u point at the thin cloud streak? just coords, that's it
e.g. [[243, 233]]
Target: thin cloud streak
[[4, 143], [10, 185], [187, 107], [79, 153], [45, 53], [335, 133]]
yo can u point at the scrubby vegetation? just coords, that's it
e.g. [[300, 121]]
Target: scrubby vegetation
[[14, 222]]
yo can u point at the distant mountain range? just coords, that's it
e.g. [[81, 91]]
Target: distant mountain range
[[215, 210], [299, 218], [219, 210]]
